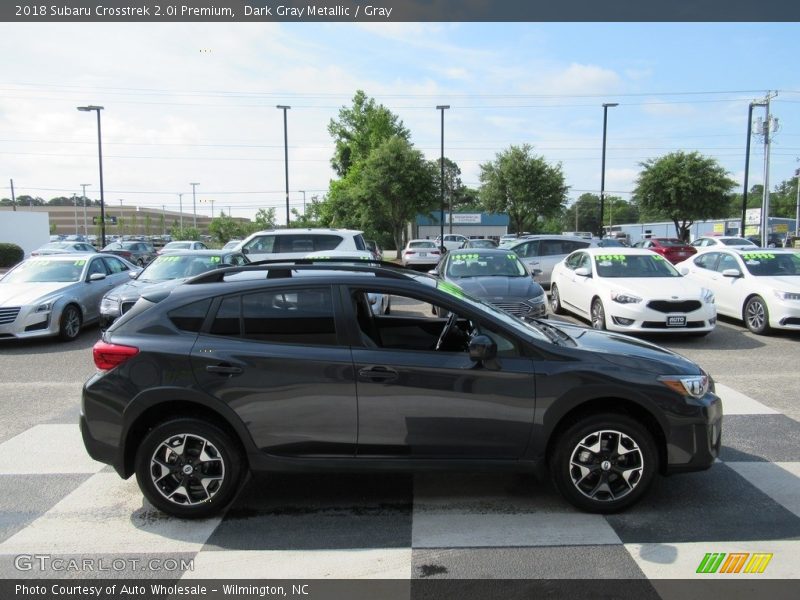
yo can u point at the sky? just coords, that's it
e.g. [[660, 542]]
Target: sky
[[189, 102]]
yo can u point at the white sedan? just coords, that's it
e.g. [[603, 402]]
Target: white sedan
[[424, 253], [760, 287], [631, 290], [722, 241]]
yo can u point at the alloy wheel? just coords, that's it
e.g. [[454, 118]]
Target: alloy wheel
[[187, 469], [606, 465]]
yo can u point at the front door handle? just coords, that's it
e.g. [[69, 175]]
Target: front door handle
[[377, 374], [224, 369]]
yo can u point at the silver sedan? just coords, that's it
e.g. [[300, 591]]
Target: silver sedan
[[57, 294]]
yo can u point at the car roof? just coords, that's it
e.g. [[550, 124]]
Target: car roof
[[757, 250], [206, 252], [69, 256], [618, 250], [487, 251], [296, 230]]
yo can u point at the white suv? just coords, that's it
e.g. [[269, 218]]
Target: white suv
[[298, 243]]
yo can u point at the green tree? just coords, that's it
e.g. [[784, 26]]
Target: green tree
[[25, 200], [265, 219], [359, 129], [223, 228], [187, 233], [683, 187], [524, 186], [396, 184]]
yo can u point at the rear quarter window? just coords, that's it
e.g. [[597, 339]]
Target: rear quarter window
[[186, 318]]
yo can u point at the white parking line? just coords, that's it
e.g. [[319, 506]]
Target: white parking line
[[780, 481], [47, 449], [736, 403]]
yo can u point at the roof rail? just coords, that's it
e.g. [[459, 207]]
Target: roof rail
[[283, 268]]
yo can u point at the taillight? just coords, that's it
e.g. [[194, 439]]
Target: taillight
[[410, 252], [108, 356], [435, 252]]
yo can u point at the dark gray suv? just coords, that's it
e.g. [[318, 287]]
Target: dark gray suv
[[285, 367]]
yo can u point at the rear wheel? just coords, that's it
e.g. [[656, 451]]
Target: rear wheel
[[555, 301], [70, 323], [598, 314], [756, 315], [604, 463], [188, 468]]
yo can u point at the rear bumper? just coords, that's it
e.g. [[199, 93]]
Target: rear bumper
[[99, 451]]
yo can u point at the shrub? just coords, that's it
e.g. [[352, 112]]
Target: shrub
[[10, 254]]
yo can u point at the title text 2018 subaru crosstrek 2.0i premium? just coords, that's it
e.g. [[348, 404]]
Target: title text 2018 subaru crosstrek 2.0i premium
[[276, 367]]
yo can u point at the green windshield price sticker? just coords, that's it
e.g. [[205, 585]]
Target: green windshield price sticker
[[79, 263], [215, 259], [451, 289], [608, 257], [758, 256], [658, 257]]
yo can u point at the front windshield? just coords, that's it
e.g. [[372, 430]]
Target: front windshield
[[165, 268], [531, 328], [38, 270], [769, 264], [633, 265], [476, 264]]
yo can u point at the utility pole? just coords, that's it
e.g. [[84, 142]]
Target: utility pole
[[606, 106], [85, 227], [442, 108], [163, 219], [797, 205], [284, 108], [769, 125], [747, 164], [75, 204], [180, 208], [13, 198], [194, 202]]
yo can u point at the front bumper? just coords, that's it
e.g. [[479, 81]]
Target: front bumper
[[784, 314], [638, 317], [695, 445], [28, 323]]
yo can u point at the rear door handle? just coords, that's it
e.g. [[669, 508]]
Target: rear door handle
[[376, 374], [224, 369]]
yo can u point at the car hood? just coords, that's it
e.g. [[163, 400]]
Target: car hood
[[489, 288], [131, 290], [628, 352], [22, 294], [661, 287]]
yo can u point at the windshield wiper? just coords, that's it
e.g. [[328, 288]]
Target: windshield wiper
[[552, 332]]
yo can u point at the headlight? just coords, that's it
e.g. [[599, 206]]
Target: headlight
[[707, 295], [109, 305], [47, 306], [625, 298], [787, 295], [536, 300], [694, 386]]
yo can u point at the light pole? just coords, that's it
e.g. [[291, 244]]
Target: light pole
[[97, 109], [180, 209], [284, 108], [442, 108], [194, 202], [747, 163], [85, 230], [75, 205], [212, 206], [797, 205], [606, 106]]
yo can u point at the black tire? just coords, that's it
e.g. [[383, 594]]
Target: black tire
[[597, 315], [162, 487], [555, 301], [756, 315], [69, 326], [610, 482]]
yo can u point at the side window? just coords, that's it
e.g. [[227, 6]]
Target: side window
[[360, 243], [586, 261], [706, 260], [551, 248], [114, 266], [295, 316], [227, 320], [727, 261], [263, 244], [97, 266], [572, 246], [528, 250], [574, 260], [191, 316]]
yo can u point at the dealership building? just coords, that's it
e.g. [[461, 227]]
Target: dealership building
[[468, 224]]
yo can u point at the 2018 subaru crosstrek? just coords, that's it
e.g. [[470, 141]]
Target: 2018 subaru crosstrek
[[277, 367]]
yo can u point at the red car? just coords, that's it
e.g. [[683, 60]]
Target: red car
[[672, 249]]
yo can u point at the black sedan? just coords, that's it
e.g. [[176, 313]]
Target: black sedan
[[164, 273], [496, 276]]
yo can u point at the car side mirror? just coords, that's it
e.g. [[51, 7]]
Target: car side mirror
[[482, 348], [433, 272], [684, 270], [583, 272], [535, 273], [732, 273], [97, 277]]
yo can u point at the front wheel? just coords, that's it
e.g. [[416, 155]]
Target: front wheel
[[70, 324], [604, 463], [188, 468], [555, 301], [756, 315], [598, 314]]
